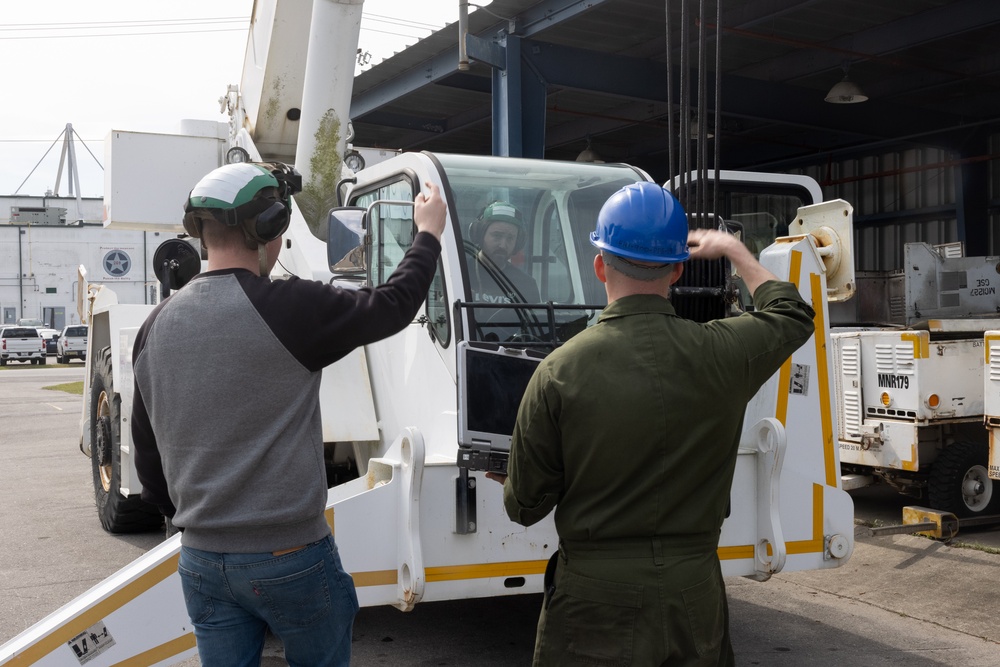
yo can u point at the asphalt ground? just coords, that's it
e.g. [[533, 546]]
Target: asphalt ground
[[899, 600]]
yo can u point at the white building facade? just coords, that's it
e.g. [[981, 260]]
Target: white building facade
[[44, 241]]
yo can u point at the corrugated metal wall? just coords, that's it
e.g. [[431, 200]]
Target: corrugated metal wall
[[899, 198]]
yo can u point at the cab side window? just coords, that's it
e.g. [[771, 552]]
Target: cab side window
[[390, 227], [392, 232]]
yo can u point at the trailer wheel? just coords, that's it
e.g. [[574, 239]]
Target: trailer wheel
[[960, 482], [118, 514]]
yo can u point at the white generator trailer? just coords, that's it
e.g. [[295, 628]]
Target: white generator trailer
[[912, 386]]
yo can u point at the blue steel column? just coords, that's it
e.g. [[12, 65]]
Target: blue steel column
[[518, 104]]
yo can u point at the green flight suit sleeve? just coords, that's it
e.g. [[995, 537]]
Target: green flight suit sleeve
[[535, 472], [781, 323]]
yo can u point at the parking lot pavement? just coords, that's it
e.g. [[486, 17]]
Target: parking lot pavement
[[899, 600]]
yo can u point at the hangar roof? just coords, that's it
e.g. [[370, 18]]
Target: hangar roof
[[930, 68]]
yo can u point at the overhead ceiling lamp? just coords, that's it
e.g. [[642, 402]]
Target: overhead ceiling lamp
[[845, 92], [588, 154]]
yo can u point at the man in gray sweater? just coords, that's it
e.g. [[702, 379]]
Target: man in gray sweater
[[226, 419]]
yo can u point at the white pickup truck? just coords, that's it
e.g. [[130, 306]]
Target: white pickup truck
[[21, 344], [72, 343]]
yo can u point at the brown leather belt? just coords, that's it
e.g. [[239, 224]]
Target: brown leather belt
[[288, 551]]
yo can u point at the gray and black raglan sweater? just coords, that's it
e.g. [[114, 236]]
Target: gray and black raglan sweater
[[226, 418]]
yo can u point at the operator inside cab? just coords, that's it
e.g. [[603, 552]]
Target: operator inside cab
[[499, 233]]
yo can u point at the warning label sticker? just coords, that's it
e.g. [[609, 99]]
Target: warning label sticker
[[92, 642], [799, 381]]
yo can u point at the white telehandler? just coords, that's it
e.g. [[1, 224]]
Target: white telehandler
[[411, 422]]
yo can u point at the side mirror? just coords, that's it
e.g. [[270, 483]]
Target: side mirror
[[346, 242], [175, 262]]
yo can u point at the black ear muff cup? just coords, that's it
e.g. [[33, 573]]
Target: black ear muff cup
[[270, 223]]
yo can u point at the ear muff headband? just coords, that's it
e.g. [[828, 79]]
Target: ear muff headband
[[263, 220]]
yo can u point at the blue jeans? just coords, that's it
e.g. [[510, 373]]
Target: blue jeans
[[305, 597]]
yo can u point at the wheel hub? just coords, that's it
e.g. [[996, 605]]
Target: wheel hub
[[977, 488], [102, 451]]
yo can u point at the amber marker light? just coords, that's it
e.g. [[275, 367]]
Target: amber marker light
[[933, 401], [886, 398]]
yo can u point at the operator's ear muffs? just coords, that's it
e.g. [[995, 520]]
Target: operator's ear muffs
[[263, 220], [478, 227], [269, 224]]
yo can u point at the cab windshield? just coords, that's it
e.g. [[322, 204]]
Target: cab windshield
[[524, 228]]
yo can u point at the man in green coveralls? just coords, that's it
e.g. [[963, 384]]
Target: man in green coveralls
[[630, 431]]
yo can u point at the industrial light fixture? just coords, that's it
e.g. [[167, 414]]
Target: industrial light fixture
[[588, 154], [846, 92]]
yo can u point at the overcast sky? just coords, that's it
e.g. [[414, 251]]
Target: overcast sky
[[138, 65]]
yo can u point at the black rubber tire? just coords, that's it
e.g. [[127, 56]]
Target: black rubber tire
[[60, 360], [117, 513], [41, 362], [960, 466]]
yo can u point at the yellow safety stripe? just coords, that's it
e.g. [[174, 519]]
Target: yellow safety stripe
[[62, 634], [160, 653], [375, 578], [485, 570], [823, 373], [816, 544], [989, 340], [785, 372], [795, 267], [920, 344], [454, 572], [736, 552]]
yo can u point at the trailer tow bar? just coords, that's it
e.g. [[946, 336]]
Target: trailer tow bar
[[930, 523]]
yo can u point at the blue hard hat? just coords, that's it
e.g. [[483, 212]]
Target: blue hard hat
[[644, 222]]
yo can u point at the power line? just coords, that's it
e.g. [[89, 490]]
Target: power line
[[398, 21], [115, 28], [87, 25], [127, 34], [36, 141], [387, 32]]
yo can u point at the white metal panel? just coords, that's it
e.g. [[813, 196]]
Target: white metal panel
[[991, 399], [147, 177], [902, 370], [991, 392], [847, 358], [346, 403], [272, 80]]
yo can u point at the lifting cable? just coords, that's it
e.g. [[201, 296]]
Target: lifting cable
[[689, 162], [701, 293]]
